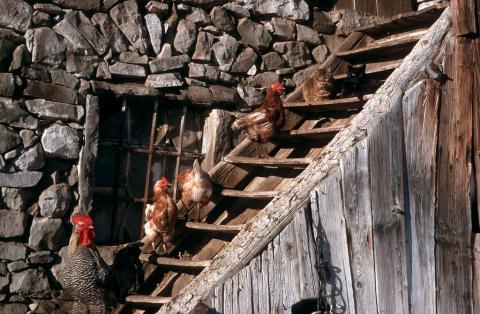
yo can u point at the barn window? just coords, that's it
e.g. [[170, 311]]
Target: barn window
[[140, 140]]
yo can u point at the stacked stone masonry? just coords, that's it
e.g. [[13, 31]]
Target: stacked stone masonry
[[52, 55]]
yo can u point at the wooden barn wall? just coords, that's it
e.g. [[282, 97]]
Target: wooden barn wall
[[385, 8], [395, 216]]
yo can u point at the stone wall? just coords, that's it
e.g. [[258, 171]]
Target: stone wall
[[52, 56]]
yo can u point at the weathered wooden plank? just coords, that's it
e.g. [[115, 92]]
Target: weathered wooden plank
[[245, 292], [330, 104], [358, 219], [344, 4], [228, 297], [453, 215], [277, 278], [305, 245], [218, 299], [291, 284], [280, 211], [235, 292], [249, 194], [476, 273], [146, 299], [367, 6], [386, 165], [464, 17], [201, 226], [476, 121], [317, 133], [388, 8], [420, 116], [327, 210], [269, 162], [174, 262]]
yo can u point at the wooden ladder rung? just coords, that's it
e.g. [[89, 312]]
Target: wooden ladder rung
[[173, 262], [317, 133], [250, 194], [146, 299], [269, 162], [330, 104], [201, 226], [388, 45]]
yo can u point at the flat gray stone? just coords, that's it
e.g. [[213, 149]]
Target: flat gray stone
[[45, 46], [48, 8], [291, 9], [127, 70], [16, 14], [133, 57], [283, 28], [29, 138], [50, 92], [52, 110], [320, 54], [41, 18], [13, 153], [264, 79], [169, 63], [199, 16], [12, 251], [203, 71], [308, 35], [16, 199], [21, 57], [12, 223], [62, 77], [60, 141], [252, 96], [7, 84], [10, 139], [236, 9], [125, 15], [272, 61], [35, 74], [23, 179], [47, 233], [245, 60], [32, 159], [40, 257], [164, 80], [254, 34], [185, 37], [222, 20], [82, 66], [11, 111], [4, 282], [79, 4], [114, 38], [203, 48], [157, 7], [124, 88], [17, 266], [31, 282], [322, 23], [155, 31], [225, 51], [295, 53], [55, 201]]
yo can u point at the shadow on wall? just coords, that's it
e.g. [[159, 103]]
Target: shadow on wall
[[324, 5]]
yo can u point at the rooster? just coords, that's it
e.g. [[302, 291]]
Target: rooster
[[196, 187], [162, 216], [95, 286], [261, 124]]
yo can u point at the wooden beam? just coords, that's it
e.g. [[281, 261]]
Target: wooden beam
[[330, 104], [201, 226], [453, 216], [279, 212], [269, 162], [476, 273], [318, 133], [146, 299], [250, 194], [173, 262], [464, 15]]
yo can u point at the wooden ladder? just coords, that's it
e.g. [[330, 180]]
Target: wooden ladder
[[245, 184]]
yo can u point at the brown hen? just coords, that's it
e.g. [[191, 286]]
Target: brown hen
[[261, 124], [161, 216], [196, 188]]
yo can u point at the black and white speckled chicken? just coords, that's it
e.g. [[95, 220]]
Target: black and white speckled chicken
[[95, 286]]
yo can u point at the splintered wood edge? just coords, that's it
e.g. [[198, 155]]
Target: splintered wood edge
[[280, 211]]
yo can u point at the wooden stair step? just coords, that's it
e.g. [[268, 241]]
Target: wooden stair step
[[395, 44], [317, 133], [376, 68], [330, 104], [173, 262], [201, 226], [269, 162], [146, 299], [250, 194]]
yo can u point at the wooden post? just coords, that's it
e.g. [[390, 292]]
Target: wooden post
[[453, 219], [476, 273], [464, 17]]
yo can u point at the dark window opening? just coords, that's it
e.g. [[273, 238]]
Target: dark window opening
[[140, 140]]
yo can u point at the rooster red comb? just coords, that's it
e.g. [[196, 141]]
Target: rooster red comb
[[80, 219], [277, 86]]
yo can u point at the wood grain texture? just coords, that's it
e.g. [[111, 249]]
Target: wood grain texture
[[453, 216], [386, 165], [344, 4], [358, 220], [420, 115], [327, 210], [388, 8], [280, 211], [367, 6], [476, 273], [476, 123], [464, 17]]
